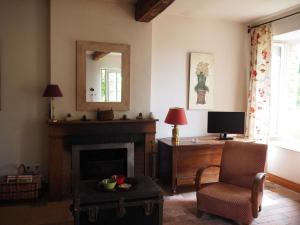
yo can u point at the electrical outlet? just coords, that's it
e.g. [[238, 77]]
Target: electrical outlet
[[34, 168]]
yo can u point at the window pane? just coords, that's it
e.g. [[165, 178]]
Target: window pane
[[103, 85], [298, 92], [119, 87], [298, 95], [276, 63], [292, 80], [297, 110], [285, 90], [112, 86]]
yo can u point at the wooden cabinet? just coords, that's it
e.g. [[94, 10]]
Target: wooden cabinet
[[178, 163]]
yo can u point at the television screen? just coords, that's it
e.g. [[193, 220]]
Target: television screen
[[226, 122]]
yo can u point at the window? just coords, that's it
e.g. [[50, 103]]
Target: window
[[285, 87], [111, 83]]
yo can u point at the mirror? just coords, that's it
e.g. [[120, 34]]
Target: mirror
[[102, 76]]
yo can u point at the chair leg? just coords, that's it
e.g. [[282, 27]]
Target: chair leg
[[199, 213]]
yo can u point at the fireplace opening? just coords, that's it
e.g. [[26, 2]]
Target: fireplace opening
[[95, 162], [100, 164]]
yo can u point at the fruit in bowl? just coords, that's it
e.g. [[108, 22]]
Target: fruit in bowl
[[120, 179], [109, 184]]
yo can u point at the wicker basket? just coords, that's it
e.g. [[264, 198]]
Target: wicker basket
[[18, 191]]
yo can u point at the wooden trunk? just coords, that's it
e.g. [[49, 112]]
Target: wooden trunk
[[143, 205]]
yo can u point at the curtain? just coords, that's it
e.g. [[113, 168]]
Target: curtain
[[257, 122]]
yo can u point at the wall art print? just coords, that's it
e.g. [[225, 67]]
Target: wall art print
[[201, 81]]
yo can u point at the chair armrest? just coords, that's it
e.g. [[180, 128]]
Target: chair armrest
[[257, 188], [199, 175]]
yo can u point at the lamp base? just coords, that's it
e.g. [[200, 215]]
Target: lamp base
[[175, 135]]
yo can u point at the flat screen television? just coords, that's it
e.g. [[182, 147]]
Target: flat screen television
[[226, 123]]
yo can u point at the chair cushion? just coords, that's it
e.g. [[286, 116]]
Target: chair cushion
[[226, 200]]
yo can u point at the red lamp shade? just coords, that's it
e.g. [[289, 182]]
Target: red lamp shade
[[176, 116], [52, 90]]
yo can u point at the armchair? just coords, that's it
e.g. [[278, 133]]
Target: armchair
[[238, 194]]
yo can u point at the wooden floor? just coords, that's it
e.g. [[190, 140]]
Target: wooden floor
[[280, 207]]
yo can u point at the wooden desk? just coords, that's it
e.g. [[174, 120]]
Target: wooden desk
[[178, 163]]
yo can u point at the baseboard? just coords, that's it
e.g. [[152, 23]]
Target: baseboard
[[283, 182]]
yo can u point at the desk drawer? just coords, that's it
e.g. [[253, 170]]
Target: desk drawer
[[210, 175], [190, 159]]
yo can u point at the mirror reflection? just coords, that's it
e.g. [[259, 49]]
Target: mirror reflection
[[103, 76]]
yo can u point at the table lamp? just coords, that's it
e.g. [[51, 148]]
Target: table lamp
[[52, 90], [176, 116]]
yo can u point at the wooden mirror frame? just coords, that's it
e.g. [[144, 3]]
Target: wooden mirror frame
[[81, 48]]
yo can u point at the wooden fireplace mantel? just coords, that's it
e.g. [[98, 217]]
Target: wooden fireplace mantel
[[63, 135]]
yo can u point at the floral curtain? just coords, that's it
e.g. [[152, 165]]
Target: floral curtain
[[257, 123]]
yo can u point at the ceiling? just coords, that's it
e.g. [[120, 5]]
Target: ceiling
[[234, 10], [243, 11]]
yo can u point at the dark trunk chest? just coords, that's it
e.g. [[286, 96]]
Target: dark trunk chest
[[141, 206]]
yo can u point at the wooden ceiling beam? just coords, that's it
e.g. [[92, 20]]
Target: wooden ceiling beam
[[146, 10], [98, 55]]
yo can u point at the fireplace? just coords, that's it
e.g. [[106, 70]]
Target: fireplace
[[66, 135], [99, 161]]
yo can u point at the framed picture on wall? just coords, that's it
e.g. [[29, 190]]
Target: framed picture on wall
[[201, 88]]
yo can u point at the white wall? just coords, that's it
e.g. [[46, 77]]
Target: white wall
[[24, 69], [174, 38], [102, 21], [92, 79], [284, 163]]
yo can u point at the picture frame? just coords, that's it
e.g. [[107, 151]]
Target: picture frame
[[201, 81]]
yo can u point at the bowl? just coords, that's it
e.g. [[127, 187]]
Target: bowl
[[109, 184], [120, 179]]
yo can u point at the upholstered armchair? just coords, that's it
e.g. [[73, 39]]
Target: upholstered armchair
[[238, 194]]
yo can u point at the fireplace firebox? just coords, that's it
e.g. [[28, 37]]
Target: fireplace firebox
[[95, 164], [99, 161]]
